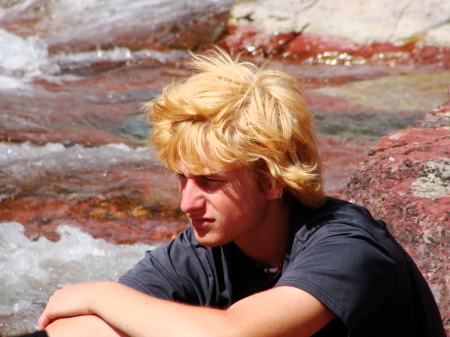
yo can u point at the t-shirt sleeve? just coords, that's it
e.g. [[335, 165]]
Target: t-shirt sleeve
[[344, 268], [153, 277], [173, 271]]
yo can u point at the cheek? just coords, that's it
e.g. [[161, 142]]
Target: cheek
[[244, 210]]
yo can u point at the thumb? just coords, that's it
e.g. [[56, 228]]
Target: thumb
[[43, 321]]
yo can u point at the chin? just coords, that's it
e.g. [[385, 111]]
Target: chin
[[208, 240]]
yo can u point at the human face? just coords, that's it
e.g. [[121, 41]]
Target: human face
[[224, 206]]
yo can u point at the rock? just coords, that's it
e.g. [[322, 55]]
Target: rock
[[75, 27], [364, 22], [406, 182], [334, 32], [188, 32], [112, 191], [313, 48]]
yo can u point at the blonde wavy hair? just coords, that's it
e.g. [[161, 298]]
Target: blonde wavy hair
[[231, 113]]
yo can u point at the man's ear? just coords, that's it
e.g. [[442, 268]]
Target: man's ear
[[273, 191]]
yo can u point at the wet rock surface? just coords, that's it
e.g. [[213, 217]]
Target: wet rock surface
[[113, 192], [406, 182], [174, 24], [329, 49]]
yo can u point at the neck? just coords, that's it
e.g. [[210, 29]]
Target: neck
[[267, 246]]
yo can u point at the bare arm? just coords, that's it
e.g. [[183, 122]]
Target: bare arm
[[86, 325], [283, 311]]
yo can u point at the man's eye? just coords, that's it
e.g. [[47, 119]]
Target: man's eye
[[214, 178], [210, 183], [208, 180]]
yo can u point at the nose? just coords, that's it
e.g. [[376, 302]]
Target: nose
[[192, 198]]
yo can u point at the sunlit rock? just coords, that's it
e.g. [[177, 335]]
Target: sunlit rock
[[406, 182], [364, 22]]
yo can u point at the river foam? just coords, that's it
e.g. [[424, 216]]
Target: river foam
[[30, 271], [22, 57]]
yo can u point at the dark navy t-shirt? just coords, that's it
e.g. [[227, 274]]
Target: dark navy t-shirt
[[337, 253]]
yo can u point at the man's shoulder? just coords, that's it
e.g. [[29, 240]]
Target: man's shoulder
[[333, 213], [342, 210]]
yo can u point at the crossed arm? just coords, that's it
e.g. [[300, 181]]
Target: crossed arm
[[111, 309]]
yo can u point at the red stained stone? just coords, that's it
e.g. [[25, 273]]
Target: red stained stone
[[86, 137], [311, 44], [188, 32], [339, 159], [330, 104], [128, 205], [314, 48], [405, 182]]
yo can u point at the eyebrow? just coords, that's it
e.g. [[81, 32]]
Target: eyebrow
[[209, 175]]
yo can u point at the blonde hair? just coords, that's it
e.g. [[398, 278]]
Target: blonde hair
[[231, 113]]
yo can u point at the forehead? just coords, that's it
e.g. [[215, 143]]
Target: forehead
[[196, 170], [238, 174]]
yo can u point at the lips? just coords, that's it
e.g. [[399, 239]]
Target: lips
[[199, 223]]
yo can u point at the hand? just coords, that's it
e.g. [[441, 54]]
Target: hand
[[72, 300]]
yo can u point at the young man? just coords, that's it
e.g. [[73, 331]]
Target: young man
[[267, 254]]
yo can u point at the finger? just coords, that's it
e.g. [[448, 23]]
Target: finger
[[43, 321], [46, 316]]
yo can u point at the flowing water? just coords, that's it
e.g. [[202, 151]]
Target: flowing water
[[81, 197]]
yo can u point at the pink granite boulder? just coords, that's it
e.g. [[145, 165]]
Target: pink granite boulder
[[406, 182]]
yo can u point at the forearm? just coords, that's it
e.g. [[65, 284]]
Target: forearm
[[283, 311], [128, 311], [137, 314], [86, 325]]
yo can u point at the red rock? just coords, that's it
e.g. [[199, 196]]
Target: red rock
[[312, 44], [131, 203], [406, 182], [188, 32], [251, 41], [88, 110], [327, 49], [82, 136], [339, 161]]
